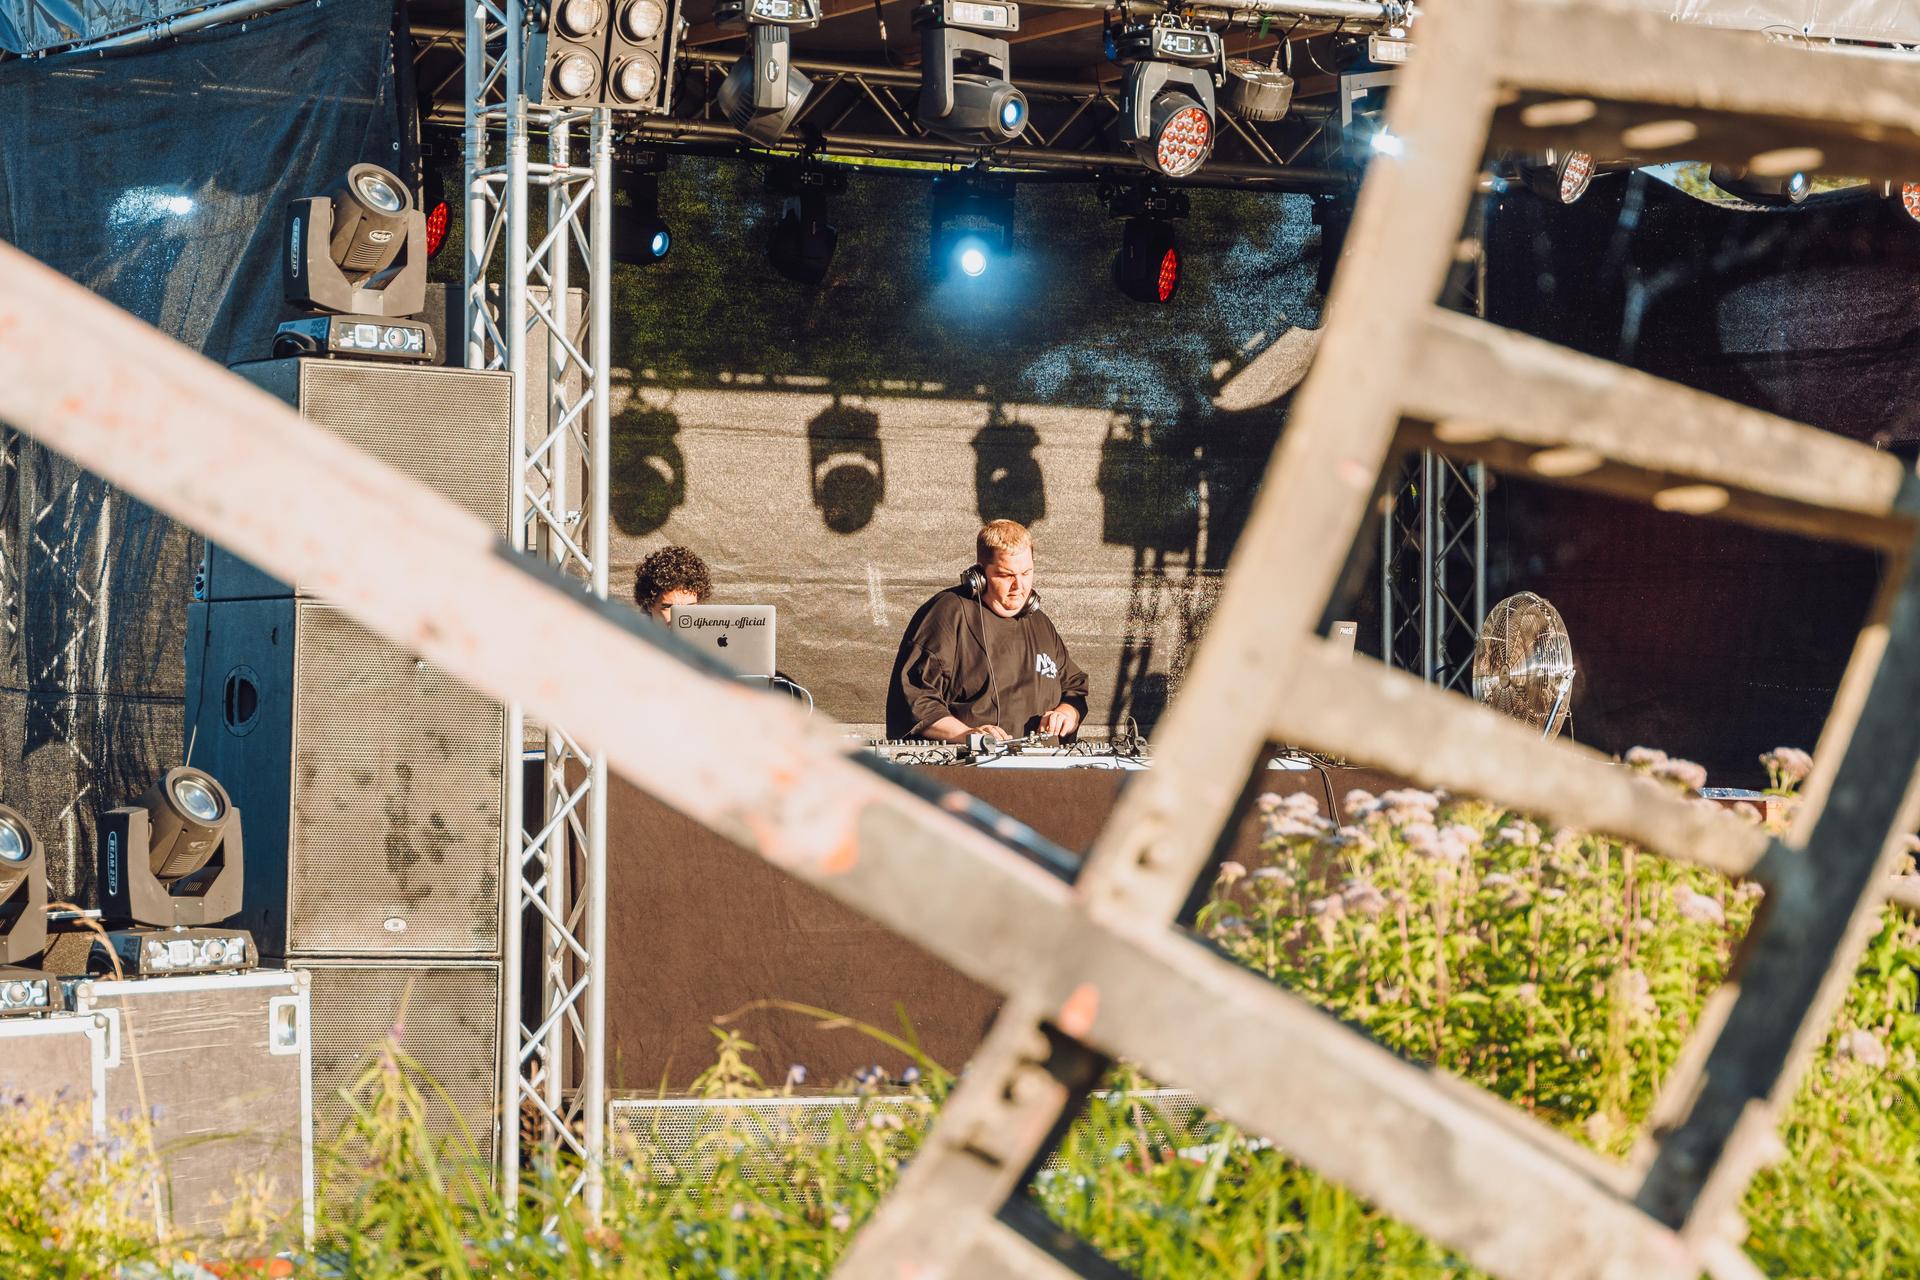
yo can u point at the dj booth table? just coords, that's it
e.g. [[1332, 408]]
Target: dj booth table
[[698, 928]]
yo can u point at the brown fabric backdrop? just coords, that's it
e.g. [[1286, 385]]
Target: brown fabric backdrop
[[698, 928]]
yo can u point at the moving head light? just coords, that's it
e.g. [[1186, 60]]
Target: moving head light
[[23, 890], [171, 864], [966, 89], [764, 92], [1167, 114], [359, 255]]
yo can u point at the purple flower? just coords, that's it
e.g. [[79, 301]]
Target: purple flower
[[910, 1076]]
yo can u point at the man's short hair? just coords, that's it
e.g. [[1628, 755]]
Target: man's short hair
[[1000, 535], [671, 569]]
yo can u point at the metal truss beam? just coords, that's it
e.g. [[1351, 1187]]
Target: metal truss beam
[[866, 110], [519, 293]]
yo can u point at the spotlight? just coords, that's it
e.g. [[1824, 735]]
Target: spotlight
[[433, 201], [1909, 194], [1789, 189], [972, 224], [640, 234], [1167, 113], [763, 92], [23, 890], [966, 92], [1560, 176], [358, 255], [1256, 92], [603, 53], [1147, 266], [173, 858], [802, 244]]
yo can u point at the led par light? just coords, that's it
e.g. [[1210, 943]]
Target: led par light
[[173, 858], [1560, 176], [764, 92], [23, 890], [966, 91], [603, 53], [640, 235], [972, 225], [1167, 113]]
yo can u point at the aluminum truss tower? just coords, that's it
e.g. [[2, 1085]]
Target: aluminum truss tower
[[1433, 569], [553, 1054]]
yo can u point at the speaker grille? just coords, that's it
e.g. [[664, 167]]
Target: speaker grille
[[447, 428], [448, 1015], [395, 840]]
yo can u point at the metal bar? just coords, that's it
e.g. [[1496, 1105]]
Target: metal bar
[[1429, 614], [658, 129], [167, 28]]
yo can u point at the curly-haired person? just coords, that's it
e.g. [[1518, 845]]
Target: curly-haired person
[[671, 576]]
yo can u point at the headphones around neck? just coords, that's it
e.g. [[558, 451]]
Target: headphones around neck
[[975, 581]]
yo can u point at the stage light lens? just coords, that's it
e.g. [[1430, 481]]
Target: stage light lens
[[1797, 187], [574, 75], [1013, 114], [1387, 143], [580, 17], [14, 844], [1910, 199], [180, 952], [376, 191], [197, 799], [635, 79], [643, 19], [437, 227], [18, 993], [236, 950], [1184, 141], [1576, 174], [660, 243], [973, 260], [1169, 275]]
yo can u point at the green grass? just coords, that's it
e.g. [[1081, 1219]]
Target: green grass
[[1561, 972]]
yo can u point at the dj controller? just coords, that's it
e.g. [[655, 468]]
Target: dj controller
[[1037, 751]]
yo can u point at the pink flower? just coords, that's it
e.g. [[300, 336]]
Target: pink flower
[[1788, 766], [1864, 1047], [1645, 757], [1231, 872], [1358, 803], [1698, 907], [1362, 898], [1685, 772]]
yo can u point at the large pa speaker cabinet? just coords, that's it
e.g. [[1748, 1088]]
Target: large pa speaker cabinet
[[446, 1018], [368, 782], [447, 428]]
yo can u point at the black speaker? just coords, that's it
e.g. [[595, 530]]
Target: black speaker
[[446, 1016], [446, 428], [370, 781]]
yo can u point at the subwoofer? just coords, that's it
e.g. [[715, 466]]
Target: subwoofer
[[447, 428], [444, 1016], [369, 782]]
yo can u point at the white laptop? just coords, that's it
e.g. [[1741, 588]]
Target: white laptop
[[740, 635]]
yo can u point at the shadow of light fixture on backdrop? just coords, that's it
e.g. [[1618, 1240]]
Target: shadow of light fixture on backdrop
[[649, 479], [1007, 481], [847, 472]]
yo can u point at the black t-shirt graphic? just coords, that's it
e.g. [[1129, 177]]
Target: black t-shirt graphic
[[942, 669]]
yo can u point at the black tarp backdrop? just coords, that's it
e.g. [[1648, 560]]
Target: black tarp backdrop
[[156, 178], [1699, 636]]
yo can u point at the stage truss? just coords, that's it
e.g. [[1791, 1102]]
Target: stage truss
[[553, 1058], [1095, 969]]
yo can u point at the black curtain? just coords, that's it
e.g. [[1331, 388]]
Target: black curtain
[[156, 178]]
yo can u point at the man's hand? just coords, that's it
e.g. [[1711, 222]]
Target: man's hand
[[1060, 721], [994, 731]]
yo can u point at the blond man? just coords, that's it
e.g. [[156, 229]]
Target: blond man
[[981, 657]]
